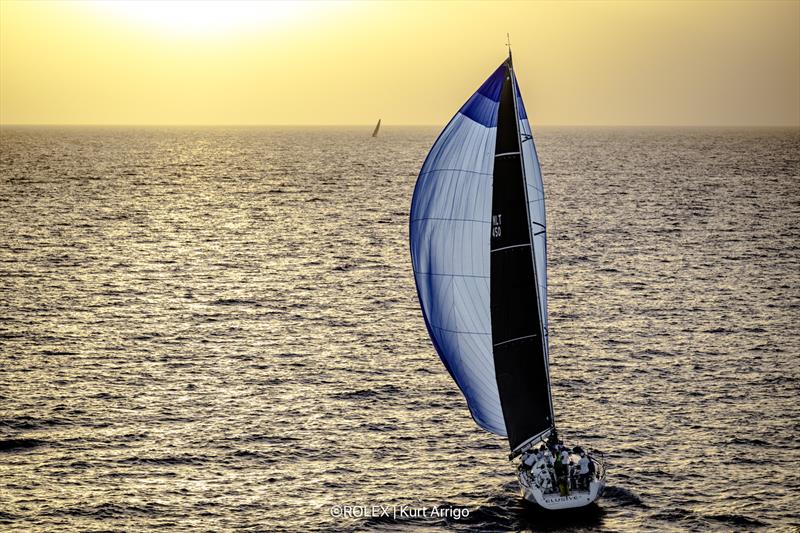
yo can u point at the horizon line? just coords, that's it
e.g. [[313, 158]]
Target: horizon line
[[370, 125]]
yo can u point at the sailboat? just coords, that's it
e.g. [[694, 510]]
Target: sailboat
[[377, 128], [478, 237]]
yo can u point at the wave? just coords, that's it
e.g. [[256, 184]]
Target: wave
[[687, 515], [29, 422], [623, 496], [377, 392], [10, 445], [168, 460], [736, 520], [671, 515], [261, 457], [749, 442], [234, 301], [108, 510], [266, 438]]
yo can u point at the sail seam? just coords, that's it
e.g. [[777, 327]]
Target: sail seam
[[454, 170], [512, 340], [448, 274], [487, 126], [458, 331], [450, 219], [512, 246]]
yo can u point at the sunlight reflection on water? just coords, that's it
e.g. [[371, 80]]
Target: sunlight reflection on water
[[218, 328]]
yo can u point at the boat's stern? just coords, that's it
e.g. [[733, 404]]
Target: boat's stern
[[542, 492], [555, 501]]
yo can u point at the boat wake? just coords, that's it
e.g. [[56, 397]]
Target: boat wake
[[510, 512], [503, 510]]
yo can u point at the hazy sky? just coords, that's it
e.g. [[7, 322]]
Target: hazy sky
[[638, 63]]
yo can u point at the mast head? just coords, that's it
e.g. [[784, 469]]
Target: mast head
[[508, 44]]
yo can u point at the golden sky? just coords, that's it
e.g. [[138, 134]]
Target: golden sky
[[579, 63]]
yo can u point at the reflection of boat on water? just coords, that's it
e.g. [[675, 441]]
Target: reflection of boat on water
[[377, 128], [478, 248]]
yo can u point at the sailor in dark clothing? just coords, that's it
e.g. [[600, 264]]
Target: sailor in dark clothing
[[561, 478], [573, 475]]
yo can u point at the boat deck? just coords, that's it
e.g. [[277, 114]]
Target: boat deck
[[539, 484]]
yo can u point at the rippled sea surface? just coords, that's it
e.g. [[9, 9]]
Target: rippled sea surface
[[217, 329]]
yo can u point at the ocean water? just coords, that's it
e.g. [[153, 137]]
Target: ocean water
[[217, 329]]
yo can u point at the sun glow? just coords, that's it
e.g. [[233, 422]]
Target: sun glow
[[208, 16], [346, 62]]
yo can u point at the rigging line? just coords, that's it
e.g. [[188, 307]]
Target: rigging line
[[548, 253]]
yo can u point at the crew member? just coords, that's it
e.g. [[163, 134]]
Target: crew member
[[583, 471]]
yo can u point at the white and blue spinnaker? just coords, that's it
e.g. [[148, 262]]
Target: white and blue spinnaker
[[477, 232]]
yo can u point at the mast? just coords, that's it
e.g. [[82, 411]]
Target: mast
[[519, 351]]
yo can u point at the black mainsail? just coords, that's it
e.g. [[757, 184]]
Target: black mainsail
[[517, 331]]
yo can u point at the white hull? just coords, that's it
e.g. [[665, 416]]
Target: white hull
[[554, 501], [542, 493]]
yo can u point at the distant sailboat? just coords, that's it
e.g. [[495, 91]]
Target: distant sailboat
[[478, 248], [377, 128]]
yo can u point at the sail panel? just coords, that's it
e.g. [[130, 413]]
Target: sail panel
[[482, 106], [449, 234]]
